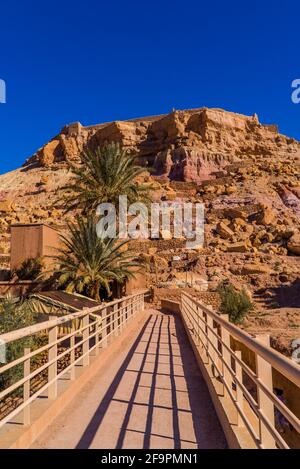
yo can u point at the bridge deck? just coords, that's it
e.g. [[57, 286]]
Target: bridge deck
[[152, 396]]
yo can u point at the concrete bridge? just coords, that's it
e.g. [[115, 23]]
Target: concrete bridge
[[127, 376]]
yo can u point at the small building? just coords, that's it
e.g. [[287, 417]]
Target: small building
[[33, 241]]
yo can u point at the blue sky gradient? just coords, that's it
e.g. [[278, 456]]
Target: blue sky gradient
[[98, 61]]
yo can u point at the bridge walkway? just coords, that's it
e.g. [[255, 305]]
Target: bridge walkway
[[152, 396]]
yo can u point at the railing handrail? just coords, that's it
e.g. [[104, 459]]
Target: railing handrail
[[34, 329], [278, 361], [84, 338], [211, 334]]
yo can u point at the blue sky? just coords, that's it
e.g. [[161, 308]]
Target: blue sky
[[95, 61]]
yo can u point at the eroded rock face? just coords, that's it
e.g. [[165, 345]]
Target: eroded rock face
[[245, 173], [290, 200], [190, 145]]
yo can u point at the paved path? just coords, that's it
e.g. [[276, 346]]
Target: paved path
[[152, 396]]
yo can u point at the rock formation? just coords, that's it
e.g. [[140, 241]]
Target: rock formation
[[192, 145], [245, 173]]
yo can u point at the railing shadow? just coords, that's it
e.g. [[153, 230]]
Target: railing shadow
[[159, 344], [135, 390], [89, 433], [207, 428]]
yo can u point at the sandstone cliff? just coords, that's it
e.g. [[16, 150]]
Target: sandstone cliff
[[246, 174], [190, 145]]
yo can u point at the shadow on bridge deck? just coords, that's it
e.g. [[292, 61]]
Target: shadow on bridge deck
[[152, 396]]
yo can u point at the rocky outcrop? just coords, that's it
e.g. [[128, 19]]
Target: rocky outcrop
[[252, 269], [293, 244], [191, 145]]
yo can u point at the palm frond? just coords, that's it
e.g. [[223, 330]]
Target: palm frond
[[104, 175], [87, 262]]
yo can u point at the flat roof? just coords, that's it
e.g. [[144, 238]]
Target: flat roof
[[72, 300], [16, 225]]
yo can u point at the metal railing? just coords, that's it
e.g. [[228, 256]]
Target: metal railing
[[213, 335], [90, 330]]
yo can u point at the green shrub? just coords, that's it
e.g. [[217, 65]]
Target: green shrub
[[233, 302], [30, 269], [277, 266]]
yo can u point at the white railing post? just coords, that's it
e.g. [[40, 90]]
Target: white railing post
[[205, 344], [130, 308], [142, 301], [202, 333], [189, 314], [85, 338], [209, 323], [203, 327], [26, 388], [192, 320], [182, 304], [239, 391], [212, 342], [115, 319], [225, 336], [198, 312], [96, 335], [52, 355], [72, 352], [266, 406], [121, 315], [136, 304], [104, 328]]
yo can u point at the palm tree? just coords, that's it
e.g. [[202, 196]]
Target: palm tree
[[103, 176], [87, 262]]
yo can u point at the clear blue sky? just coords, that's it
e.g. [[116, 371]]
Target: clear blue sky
[[96, 61]]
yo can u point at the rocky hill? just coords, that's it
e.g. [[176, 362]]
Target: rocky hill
[[246, 173], [187, 145]]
